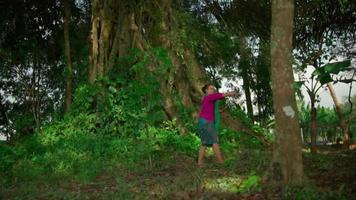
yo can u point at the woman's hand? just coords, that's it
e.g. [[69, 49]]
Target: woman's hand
[[230, 94]]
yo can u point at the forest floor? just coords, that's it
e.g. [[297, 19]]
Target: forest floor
[[331, 174], [332, 169]]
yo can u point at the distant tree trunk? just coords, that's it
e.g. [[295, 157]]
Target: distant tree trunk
[[263, 79], [286, 166], [313, 124], [32, 98], [246, 80], [246, 87], [68, 92], [312, 92], [38, 98], [260, 112], [343, 124], [35, 91]]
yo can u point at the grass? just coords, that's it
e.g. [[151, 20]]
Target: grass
[[120, 168], [162, 173]]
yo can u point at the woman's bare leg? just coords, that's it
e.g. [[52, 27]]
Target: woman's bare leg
[[201, 155], [219, 157]]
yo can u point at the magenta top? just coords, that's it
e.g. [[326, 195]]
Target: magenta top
[[207, 106]]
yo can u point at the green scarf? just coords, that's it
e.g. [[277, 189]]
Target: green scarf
[[217, 115]]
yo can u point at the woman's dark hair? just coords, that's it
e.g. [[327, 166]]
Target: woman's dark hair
[[205, 88]]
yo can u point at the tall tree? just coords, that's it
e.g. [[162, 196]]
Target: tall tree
[[325, 39], [262, 87], [286, 165], [324, 76], [312, 86], [244, 66], [30, 62], [69, 81], [120, 26], [31, 51], [343, 124]]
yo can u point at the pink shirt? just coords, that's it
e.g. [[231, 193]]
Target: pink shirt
[[207, 105]]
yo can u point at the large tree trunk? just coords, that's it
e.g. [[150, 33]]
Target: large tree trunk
[[109, 20], [68, 92], [286, 165], [343, 124], [116, 29]]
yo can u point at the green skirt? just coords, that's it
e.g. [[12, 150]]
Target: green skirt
[[207, 132]]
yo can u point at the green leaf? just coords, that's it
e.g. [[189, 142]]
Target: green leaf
[[333, 68], [324, 73], [112, 89], [337, 67], [325, 78], [298, 84]]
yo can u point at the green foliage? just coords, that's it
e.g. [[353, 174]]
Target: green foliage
[[251, 182], [327, 120], [324, 72], [258, 74], [241, 115], [125, 104], [32, 75], [215, 47], [69, 148], [234, 184], [168, 136], [84, 97]]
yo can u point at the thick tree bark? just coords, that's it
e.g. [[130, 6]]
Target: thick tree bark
[[107, 24], [94, 42], [343, 124], [286, 166], [69, 82], [165, 39]]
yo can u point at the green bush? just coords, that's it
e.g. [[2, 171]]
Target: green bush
[[69, 148]]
